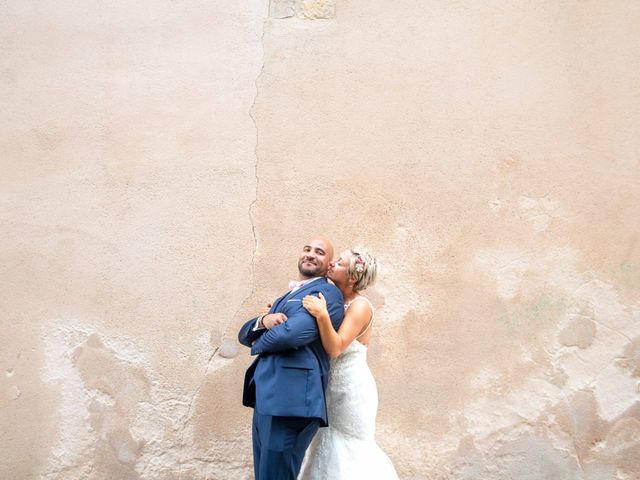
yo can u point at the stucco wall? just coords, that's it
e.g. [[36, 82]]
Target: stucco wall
[[161, 163]]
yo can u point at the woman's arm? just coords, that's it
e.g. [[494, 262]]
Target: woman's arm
[[355, 320]]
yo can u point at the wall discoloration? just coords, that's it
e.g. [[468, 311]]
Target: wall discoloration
[[579, 419], [116, 389], [631, 357], [163, 161], [306, 9]]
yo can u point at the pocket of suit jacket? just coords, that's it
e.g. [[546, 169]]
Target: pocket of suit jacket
[[297, 375]]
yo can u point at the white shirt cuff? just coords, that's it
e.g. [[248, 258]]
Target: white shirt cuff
[[257, 326]]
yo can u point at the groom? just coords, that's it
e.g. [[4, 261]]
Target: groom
[[286, 383]]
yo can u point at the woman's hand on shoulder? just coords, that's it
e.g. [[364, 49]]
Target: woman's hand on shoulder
[[315, 305]]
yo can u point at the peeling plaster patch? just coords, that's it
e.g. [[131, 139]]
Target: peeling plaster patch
[[507, 268], [558, 377], [604, 300], [489, 414], [583, 366], [102, 370], [537, 210], [580, 332], [596, 301], [10, 372], [631, 357], [468, 462], [622, 448], [124, 348], [579, 418], [579, 373], [127, 384], [76, 438], [101, 392], [586, 313], [533, 458], [158, 420], [615, 391]]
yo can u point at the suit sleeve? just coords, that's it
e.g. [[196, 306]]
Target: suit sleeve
[[301, 327], [247, 336]]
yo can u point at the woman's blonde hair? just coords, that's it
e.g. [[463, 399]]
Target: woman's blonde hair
[[363, 267]]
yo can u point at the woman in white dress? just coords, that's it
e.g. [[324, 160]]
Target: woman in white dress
[[346, 449]]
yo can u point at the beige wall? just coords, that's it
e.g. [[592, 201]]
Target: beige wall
[[161, 162]]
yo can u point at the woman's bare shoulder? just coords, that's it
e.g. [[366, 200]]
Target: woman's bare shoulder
[[360, 307]]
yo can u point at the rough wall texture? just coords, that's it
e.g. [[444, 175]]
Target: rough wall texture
[[161, 162]]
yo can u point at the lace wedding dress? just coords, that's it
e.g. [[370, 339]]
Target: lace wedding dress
[[346, 449]]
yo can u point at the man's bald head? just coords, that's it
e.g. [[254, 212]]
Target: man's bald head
[[315, 257]]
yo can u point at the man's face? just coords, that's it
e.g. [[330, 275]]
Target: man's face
[[315, 257]]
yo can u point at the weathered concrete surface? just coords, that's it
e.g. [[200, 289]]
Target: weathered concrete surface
[[162, 162], [126, 244]]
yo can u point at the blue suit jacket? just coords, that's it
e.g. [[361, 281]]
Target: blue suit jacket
[[289, 377]]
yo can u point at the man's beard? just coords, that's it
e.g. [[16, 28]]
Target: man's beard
[[311, 271]]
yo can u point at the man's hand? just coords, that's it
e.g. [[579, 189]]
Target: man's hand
[[271, 320]]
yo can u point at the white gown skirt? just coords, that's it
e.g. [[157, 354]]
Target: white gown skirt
[[346, 449]]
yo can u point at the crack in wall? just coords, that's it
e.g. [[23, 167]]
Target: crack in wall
[[189, 408], [614, 330], [250, 213], [253, 203], [575, 452]]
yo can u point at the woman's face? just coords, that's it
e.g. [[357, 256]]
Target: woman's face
[[337, 271]]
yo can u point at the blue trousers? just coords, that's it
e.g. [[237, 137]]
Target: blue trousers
[[279, 444]]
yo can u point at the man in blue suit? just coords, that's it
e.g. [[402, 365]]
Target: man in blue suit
[[286, 383]]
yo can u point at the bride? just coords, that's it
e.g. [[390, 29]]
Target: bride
[[346, 449]]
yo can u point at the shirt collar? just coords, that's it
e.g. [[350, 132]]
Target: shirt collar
[[296, 284]]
